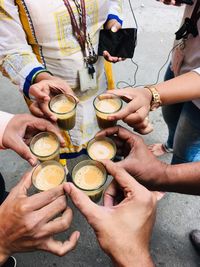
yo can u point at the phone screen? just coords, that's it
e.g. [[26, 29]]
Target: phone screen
[[119, 44]]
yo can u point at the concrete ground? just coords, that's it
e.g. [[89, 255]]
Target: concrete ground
[[177, 214]]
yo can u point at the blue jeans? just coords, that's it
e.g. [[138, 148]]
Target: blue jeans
[[183, 122]]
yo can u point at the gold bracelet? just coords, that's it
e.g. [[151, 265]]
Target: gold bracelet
[[156, 101]]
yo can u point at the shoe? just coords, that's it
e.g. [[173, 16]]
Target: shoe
[[195, 239], [11, 262]]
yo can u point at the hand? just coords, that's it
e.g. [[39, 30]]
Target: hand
[[169, 2], [42, 90], [27, 223], [139, 160], [123, 231], [19, 131], [114, 26], [135, 113]]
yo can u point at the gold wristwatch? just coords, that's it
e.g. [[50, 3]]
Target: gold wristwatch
[[155, 101]]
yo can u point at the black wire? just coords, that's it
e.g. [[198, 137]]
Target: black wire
[[135, 20], [165, 63], [137, 66], [134, 80]]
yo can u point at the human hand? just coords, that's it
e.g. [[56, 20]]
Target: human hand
[[45, 87], [139, 160], [114, 26], [124, 230], [135, 113], [28, 224], [170, 2], [19, 131]]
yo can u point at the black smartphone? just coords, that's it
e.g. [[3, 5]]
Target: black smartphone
[[119, 44]]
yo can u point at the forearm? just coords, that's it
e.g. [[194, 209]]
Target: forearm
[[180, 178], [180, 89]]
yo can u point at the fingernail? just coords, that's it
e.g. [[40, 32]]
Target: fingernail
[[33, 162], [77, 236], [114, 29]]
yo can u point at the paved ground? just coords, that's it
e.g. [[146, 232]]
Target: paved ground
[[177, 214]]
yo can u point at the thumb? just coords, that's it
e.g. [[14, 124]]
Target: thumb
[[123, 178], [23, 150], [37, 92], [116, 26], [81, 201]]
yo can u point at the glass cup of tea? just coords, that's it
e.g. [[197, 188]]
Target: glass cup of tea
[[45, 146], [64, 108], [100, 148], [106, 105], [90, 177], [47, 175]]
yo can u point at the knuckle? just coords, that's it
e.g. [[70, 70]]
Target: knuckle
[[22, 207], [64, 224], [29, 226], [60, 253]]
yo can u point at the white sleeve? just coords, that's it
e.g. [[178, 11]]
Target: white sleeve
[[197, 70], [115, 10], [4, 120], [17, 60]]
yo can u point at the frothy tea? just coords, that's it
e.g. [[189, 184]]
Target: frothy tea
[[64, 107], [49, 177], [90, 176], [101, 149], [106, 107], [45, 146]]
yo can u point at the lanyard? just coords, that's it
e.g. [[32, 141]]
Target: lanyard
[[190, 24], [79, 32]]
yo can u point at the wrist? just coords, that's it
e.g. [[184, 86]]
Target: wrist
[[43, 76], [3, 253], [114, 17], [160, 178], [139, 259], [155, 97], [148, 94]]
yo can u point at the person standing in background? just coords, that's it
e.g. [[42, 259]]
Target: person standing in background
[[50, 47]]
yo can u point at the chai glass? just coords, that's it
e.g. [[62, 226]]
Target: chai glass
[[47, 175], [45, 146], [100, 148], [90, 176], [64, 108], [106, 105]]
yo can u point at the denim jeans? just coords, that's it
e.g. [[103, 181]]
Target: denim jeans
[[183, 122]]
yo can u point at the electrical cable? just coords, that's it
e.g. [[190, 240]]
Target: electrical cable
[[134, 84]]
